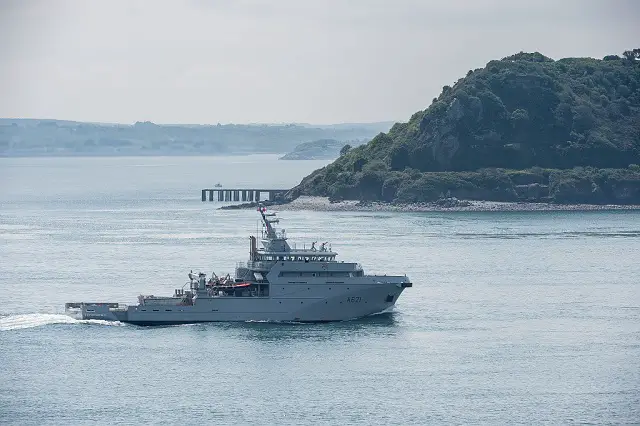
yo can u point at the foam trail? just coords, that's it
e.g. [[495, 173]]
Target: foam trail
[[17, 322]]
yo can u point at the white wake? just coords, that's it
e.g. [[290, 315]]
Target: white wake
[[17, 322]]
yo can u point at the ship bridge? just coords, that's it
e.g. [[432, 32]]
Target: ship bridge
[[277, 253], [276, 247]]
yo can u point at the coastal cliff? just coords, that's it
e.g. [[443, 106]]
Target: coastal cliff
[[523, 128]]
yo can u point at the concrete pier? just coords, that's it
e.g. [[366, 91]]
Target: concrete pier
[[242, 195]]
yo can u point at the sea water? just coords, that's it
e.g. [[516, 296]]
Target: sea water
[[515, 317]]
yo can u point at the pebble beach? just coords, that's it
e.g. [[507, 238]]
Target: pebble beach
[[323, 204]]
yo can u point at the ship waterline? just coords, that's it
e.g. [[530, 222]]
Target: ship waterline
[[277, 284]]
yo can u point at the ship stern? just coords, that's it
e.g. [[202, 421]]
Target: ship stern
[[96, 311]]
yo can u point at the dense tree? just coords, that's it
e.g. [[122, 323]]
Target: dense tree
[[399, 158], [631, 55], [345, 149]]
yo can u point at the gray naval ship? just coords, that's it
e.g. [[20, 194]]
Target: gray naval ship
[[278, 283]]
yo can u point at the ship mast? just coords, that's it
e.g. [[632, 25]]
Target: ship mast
[[271, 232]]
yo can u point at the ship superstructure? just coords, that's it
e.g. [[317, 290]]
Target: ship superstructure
[[277, 283]]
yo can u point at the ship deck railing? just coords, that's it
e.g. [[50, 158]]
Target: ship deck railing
[[79, 305], [279, 234], [256, 265], [265, 265]]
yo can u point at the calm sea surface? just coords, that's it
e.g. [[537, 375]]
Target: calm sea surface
[[513, 318]]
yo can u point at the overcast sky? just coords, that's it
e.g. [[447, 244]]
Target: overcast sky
[[317, 61]]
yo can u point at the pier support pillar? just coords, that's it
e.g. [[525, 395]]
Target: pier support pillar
[[242, 195]]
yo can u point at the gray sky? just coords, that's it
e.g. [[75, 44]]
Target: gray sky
[[241, 61]]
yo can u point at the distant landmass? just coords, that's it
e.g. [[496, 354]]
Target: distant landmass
[[32, 137], [323, 149], [525, 127]]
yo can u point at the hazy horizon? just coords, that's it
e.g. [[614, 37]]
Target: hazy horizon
[[252, 62], [110, 123]]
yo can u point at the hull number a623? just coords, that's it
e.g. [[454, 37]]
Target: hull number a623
[[354, 299]]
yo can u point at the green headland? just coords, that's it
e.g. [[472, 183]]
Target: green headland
[[523, 128]]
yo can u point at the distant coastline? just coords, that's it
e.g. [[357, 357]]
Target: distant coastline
[[65, 154], [58, 138], [324, 204], [322, 149]]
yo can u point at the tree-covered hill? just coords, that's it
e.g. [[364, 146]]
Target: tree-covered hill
[[525, 111]]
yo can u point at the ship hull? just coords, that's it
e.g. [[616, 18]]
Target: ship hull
[[292, 303]]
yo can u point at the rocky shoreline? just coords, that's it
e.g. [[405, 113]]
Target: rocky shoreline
[[447, 205]]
